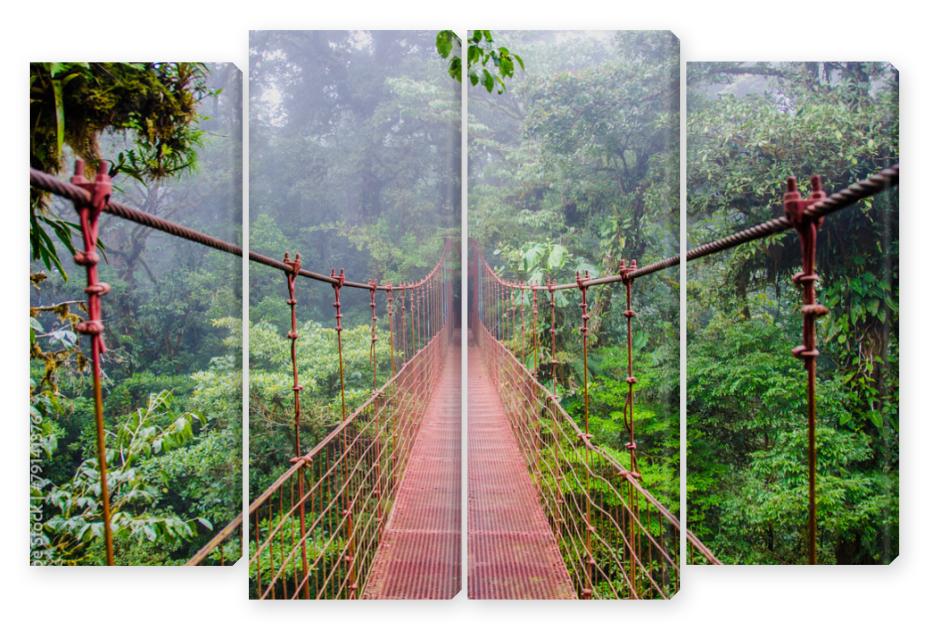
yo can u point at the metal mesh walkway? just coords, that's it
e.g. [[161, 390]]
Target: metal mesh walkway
[[512, 550], [419, 557]]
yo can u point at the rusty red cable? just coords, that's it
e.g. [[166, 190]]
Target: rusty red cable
[[876, 183], [337, 305], [51, 184], [390, 315], [403, 323], [427, 312], [523, 334], [536, 339], [503, 302], [415, 319], [347, 504], [512, 317], [373, 358], [626, 272], [294, 266]]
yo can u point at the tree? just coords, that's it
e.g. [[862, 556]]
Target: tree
[[355, 147], [74, 104]]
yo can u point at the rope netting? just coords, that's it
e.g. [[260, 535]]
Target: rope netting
[[617, 540]]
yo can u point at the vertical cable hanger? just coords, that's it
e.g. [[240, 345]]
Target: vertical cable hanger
[[294, 269], [89, 215]]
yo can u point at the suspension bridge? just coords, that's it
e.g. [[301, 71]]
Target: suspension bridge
[[373, 509]]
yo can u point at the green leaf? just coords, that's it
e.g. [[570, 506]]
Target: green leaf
[[557, 257], [149, 532], [488, 80], [455, 68], [474, 54], [444, 43], [507, 67]]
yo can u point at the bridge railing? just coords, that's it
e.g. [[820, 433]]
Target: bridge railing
[[617, 540], [314, 532], [806, 215]]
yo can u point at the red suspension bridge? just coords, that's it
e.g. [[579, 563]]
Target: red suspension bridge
[[372, 510]]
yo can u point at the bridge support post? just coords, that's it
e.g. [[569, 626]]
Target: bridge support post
[[379, 408], [522, 344], [389, 419], [560, 500], [536, 338], [807, 229], [89, 214]]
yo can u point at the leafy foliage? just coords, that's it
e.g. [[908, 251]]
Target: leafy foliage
[[487, 64], [271, 397], [74, 104], [76, 521]]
